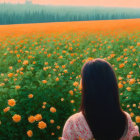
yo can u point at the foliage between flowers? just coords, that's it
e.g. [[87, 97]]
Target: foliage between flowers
[[47, 68]]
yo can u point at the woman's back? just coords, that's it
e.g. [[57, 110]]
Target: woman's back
[[76, 128]]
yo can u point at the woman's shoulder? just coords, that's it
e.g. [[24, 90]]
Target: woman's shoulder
[[75, 116], [132, 130]]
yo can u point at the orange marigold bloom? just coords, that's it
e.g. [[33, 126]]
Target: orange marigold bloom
[[6, 109], [71, 92], [72, 101], [137, 119], [58, 127], [25, 62], [121, 65], [17, 87], [44, 81], [57, 79], [138, 43], [52, 109], [31, 119], [128, 76], [10, 75], [63, 66], [128, 88], [132, 81], [38, 117], [16, 118], [51, 121], [75, 84], [42, 125], [132, 114], [120, 85], [120, 78], [11, 102], [29, 133]]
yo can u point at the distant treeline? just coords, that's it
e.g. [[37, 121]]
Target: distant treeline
[[29, 13]]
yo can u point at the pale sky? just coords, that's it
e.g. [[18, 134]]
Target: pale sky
[[108, 3]]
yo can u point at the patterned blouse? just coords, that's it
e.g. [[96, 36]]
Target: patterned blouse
[[76, 128]]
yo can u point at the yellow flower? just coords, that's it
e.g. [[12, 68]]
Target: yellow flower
[[11, 102], [52, 109], [42, 125], [16, 118], [29, 133], [31, 119]]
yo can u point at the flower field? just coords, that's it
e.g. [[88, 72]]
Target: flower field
[[40, 70]]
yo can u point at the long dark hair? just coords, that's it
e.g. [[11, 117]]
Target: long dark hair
[[100, 102]]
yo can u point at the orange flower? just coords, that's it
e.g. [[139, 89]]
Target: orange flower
[[29, 133], [137, 119], [25, 62], [120, 85], [128, 76], [52, 109], [6, 109], [57, 79], [17, 87], [120, 78], [52, 133], [10, 75], [128, 88], [132, 81], [51, 121], [42, 125], [75, 84], [138, 43], [31, 119], [121, 65], [46, 63], [132, 114], [58, 127], [62, 99], [44, 81], [71, 92], [11, 102], [63, 66], [72, 101], [38, 117], [44, 103], [30, 96], [16, 118]]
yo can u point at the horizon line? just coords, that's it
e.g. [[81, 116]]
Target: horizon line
[[69, 5]]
